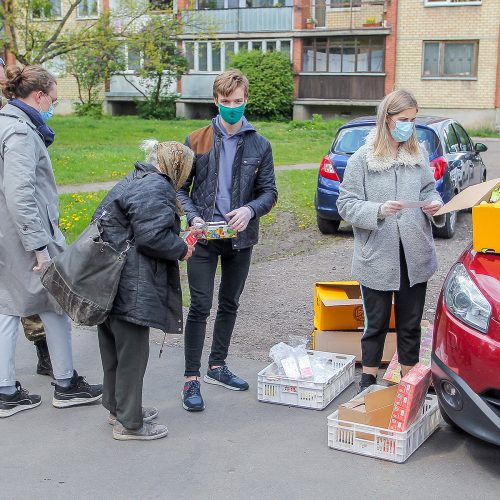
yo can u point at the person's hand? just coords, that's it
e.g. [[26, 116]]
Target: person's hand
[[432, 207], [390, 208], [239, 218], [197, 231], [42, 259], [189, 252]]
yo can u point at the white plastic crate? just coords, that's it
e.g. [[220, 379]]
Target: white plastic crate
[[387, 445], [275, 388]]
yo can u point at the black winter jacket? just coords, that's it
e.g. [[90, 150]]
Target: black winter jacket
[[142, 207], [253, 182]]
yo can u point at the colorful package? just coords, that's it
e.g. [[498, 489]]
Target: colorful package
[[218, 231], [189, 237]]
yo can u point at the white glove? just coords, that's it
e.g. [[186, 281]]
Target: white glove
[[390, 208], [197, 231], [42, 259], [432, 207], [239, 218]]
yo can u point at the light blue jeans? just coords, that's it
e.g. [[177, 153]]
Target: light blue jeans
[[58, 333]]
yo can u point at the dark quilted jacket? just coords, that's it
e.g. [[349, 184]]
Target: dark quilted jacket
[[142, 206], [253, 182]]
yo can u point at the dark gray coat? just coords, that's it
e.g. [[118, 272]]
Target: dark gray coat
[[253, 181], [142, 208]]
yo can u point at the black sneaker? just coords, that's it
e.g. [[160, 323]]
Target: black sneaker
[[366, 381], [191, 396], [224, 377], [19, 401], [79, 392]]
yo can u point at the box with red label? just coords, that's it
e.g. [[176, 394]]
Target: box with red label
[[189, 238], [410, 397]]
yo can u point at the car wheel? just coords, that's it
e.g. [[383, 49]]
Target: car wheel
[[448, 230], [448, 420], [326, 226]]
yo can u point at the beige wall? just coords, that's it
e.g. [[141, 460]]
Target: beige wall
[[341, 18], [417, 23]]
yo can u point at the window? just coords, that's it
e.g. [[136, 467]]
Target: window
[[215, 56], [133, 59], [217, 4], [344, 55], [451, 140], [342, 4], [268, 3], [47, 9], [450, 59], [446, 3], [160, 4], [87, 8], [463, 137]]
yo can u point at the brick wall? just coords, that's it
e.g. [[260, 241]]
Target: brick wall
[[341, 18], [417, 23]]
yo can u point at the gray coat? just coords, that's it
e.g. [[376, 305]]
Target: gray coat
[[368, 182], [29, 206]]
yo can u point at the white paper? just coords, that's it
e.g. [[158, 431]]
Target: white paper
[[414, 204], [305, 366], [290, 367]]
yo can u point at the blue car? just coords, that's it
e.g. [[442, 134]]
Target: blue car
[[454, 158]]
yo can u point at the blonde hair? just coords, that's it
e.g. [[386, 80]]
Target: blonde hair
[[226, 83], [21, 82], [392, 104]]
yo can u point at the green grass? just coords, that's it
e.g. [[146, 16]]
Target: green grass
[[484, 132], [93, 150]]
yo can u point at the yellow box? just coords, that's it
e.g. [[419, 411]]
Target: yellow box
[[350, 343], [338, 306], [486, 228]]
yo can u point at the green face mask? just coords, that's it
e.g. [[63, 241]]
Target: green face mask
[[231, 115]]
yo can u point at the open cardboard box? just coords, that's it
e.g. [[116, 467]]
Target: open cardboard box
[[350, 343], [485, 218], [338, 306]]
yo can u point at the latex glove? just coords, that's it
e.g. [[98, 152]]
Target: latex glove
[[42, 259], [189, 253], [432, 207], [239, 218], [390, 208], [197, 231]]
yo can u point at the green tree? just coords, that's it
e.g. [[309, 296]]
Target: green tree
[[271, 83]]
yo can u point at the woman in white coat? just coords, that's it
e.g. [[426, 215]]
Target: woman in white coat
[[29, 237]]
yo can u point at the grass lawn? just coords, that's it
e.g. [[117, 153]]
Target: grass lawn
[[484, 132], [89, 150]]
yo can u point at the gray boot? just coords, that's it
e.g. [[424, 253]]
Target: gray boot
[[147, 432]]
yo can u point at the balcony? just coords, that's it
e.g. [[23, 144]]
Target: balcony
[[242, 20]]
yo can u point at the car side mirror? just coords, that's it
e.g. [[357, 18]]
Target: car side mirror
[[479, 147]]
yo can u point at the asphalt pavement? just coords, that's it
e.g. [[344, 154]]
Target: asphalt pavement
[[238, 448]]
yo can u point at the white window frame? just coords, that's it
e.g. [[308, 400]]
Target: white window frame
[[442, 43], [451, 3], [83, 18], [329, 7], [49, 19]]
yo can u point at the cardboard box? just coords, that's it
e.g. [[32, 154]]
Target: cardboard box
[[189, 238], [393, 372], [410, 396], [374, 409], [350, 343], [218, 231], [485, 218]]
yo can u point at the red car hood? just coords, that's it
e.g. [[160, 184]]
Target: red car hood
[[485, 270]]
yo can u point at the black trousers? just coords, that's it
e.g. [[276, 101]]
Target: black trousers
[[124, 350], [408, 307], [201, 268]]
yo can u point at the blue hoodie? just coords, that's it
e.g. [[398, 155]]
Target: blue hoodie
[[227, 156]]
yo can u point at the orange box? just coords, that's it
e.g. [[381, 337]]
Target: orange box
[[338, 306]]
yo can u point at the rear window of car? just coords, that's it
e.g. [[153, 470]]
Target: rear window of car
[[349, 140]]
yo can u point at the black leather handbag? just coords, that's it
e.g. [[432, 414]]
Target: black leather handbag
[[84, 278]]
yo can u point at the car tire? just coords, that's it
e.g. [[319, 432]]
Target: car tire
[[326, 226], [448, 420], [448, 230]]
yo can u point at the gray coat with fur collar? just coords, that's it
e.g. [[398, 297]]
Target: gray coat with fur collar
[[369, 181]]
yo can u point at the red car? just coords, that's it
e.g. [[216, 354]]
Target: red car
[[466, 350]]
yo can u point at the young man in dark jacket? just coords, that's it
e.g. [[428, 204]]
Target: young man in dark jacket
[[232, 181]]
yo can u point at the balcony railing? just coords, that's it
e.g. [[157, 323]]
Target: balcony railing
[[245, 20]]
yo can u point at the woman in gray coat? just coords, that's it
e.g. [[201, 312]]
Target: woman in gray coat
[[29, 237], [388, 195]]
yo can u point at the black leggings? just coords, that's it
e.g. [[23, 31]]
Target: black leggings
[[409, 304]]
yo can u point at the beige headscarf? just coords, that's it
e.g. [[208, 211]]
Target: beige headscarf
[[176, 161]]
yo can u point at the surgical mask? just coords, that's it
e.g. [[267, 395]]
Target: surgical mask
[[402, 131], [231, 115], [47, 115]]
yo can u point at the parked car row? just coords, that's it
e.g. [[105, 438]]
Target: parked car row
[[454, 158]]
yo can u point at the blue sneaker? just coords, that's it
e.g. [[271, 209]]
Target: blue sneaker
[[191, 396], [223, 376]]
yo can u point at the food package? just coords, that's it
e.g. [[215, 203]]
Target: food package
[[218, 231], [189, 238]]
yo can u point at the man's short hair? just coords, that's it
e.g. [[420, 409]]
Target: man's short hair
[[226, 83]]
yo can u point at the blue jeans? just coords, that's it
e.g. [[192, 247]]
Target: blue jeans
[[201, 268]]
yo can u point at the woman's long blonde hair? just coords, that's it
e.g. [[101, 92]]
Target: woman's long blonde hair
[[392, 104]]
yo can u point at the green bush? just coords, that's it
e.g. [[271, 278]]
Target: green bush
[[271, 84], [92, 109], [163, 109]]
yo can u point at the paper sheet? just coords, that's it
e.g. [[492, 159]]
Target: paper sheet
[[414, 204]]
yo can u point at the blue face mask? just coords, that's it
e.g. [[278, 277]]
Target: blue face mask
[[47, 115], [402, 131]]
